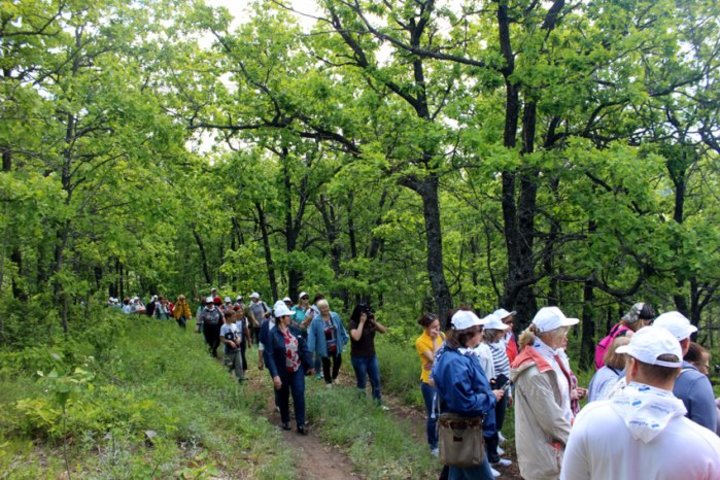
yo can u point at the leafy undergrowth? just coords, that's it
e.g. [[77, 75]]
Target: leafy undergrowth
[[148, 402]]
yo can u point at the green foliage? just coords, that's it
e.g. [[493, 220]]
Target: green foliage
[[201, 422]]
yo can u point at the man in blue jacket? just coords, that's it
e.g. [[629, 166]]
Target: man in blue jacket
[[691, 386]]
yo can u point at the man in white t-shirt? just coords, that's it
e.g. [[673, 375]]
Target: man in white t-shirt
[[642, 431]]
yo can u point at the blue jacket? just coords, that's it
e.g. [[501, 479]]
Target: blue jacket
[[274, 354], [463, 387], [316, 335], [695, 391]]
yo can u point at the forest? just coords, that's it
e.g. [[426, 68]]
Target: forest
[[415, 154]]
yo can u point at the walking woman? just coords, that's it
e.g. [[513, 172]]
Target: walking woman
[[427, 346], [327, 337], [363, 327], [462, 386], [543, 411], [181, 312], [287, 358]]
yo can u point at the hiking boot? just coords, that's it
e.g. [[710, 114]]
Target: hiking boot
[[285, 426], [301, 430]]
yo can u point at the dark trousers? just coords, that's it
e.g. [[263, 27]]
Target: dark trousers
[[243, 348], [292, 383], [492, 442], [212, 337], [336, 359], [182, 321]]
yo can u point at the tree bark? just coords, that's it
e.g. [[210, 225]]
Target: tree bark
[[262, 220], [427, 188], [203, 257]]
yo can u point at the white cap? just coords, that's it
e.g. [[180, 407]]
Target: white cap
[[495, 323], [209, 300], [239, 297], [303, 294], [464, 319], [648, 343], [254, 295], [287, 300], [227, 300], [502, 313], [676, 323], [281, 310], [551, 318]]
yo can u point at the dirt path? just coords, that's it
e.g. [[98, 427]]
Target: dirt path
[[314, 459]]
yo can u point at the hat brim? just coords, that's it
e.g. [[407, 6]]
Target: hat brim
[[570, 322]]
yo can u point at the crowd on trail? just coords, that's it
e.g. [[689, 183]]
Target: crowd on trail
[[649, 412]]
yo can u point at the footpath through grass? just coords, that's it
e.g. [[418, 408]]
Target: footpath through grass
[[132, 398]]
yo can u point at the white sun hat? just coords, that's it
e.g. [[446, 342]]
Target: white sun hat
[[464, 319], [649, 343], [676, 323], [551, 318]]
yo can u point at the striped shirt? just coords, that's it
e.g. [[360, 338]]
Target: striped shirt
[[500, 358]]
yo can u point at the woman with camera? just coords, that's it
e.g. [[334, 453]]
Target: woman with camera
[[363, 327], [464, 390]]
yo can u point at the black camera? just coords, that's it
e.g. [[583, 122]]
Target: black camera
[[367, 310]]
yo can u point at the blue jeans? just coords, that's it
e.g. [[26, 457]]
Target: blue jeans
[[481, 472], [364, 367], [428, 393], [295, 383]]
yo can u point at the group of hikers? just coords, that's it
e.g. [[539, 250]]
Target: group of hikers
[[650, 412]]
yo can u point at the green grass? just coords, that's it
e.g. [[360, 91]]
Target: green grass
[[150, 377], [379, 445]]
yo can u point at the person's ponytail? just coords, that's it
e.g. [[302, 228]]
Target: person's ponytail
[[527, 336]]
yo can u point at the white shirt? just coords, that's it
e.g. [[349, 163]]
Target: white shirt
[[484, 356], [627, 438]]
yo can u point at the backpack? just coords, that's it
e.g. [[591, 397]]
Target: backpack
[[602, 346]]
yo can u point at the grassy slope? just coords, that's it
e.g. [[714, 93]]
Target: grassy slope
[[144, 376]]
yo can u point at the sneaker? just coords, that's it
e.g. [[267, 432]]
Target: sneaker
[[319, 376], [501, 438], [384, 408], [285, 426], [500, 451], [495, 473], [435, 452], [503, 462], [301, 430]]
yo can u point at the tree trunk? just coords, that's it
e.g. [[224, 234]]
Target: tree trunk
[[268, 252], [427, 188], [587, 342], [203, 257]]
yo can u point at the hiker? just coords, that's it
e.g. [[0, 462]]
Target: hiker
[[642, 432], [640, 315], [462, 386], [605, 381], [511, 346], [181, 312], [494, 332], [258, 311], [300, 309], [211, 319], [363, 327], [242, 324], [691, 386], [287, 358], [327, 337], [543, 414], [231, 337], [427, 346]]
